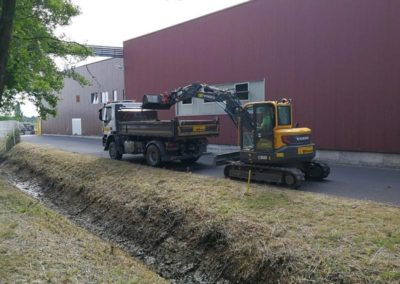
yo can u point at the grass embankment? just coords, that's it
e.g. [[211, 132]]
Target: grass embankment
[[272, 235], [38, 245]]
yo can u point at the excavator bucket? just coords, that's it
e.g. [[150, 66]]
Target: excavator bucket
[[226, 158], [154, 102]]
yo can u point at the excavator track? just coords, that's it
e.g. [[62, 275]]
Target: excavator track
[[315, 170], [291, 177]]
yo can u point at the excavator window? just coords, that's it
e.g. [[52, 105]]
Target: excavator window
[[284, 115], [247, 132], [265, 124]]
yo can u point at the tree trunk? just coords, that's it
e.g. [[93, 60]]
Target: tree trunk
[[6, 27]]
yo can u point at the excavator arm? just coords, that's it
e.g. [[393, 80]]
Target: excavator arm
[[228, 99]]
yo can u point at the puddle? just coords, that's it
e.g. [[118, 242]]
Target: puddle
[[29, 187]]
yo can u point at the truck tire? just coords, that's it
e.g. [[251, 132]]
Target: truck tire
[[113, 151], [153, 156]]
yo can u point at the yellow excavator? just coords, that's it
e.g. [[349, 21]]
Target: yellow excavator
[[272, 149]]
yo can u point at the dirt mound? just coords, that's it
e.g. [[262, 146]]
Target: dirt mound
[[199, 230]]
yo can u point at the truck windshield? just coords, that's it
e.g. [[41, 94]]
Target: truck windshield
[[284, 115], [108, 114]]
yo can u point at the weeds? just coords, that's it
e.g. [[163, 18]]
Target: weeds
[[38, 245]]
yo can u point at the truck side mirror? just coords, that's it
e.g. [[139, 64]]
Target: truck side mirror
[[101, 114]]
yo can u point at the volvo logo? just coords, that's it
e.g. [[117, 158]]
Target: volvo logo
[[302, 138]]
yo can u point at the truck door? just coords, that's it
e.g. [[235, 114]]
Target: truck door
[[107, 120]]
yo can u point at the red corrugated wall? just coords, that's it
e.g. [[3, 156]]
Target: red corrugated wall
[[338, 60]]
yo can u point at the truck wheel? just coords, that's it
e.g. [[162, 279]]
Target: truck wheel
[[153, 156], [113, 151]]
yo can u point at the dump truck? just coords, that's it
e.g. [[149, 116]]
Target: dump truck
[[130, 129]]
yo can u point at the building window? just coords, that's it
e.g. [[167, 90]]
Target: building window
[[242, 91], [115, 96], [187, 101], [104, 97], [247, 91], [94, 98], [78, 98]]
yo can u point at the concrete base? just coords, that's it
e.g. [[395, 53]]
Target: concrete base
[[80, 136], [335, 157], [221, 149], [360, 158]]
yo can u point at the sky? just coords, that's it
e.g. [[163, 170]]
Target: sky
[[111, 22]]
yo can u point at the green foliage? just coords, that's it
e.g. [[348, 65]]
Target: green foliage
[[31, 69], [18, 112], [7, 117]]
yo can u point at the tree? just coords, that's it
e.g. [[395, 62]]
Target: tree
[[6, 24], [31, 70]]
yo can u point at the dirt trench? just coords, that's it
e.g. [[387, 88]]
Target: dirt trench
[[159, 236]]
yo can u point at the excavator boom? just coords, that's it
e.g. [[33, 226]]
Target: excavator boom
[[232, 105]]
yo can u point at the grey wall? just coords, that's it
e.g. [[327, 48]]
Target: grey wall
[[104, 76], [199, 107], [7, 126]]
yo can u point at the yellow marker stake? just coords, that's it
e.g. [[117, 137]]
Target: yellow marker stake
[[248, 183]]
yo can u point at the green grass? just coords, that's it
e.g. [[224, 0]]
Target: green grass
[[38, 245], [287, 235]]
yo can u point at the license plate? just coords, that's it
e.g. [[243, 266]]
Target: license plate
[[305, 150], [199, 128]]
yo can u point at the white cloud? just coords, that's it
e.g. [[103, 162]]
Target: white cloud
[[112, 22]]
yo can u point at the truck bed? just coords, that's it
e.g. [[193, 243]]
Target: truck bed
[[170, 128]]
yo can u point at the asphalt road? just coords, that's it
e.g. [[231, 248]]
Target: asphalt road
[[377, 184]]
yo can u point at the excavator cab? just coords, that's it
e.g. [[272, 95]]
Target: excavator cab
[[258, 134], [267, 135]]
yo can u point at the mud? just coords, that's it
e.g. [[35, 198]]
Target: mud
[[161, 243]]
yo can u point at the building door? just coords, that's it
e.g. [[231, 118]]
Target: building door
[[76, 126]]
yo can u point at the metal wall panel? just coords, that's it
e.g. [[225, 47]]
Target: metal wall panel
[[104, 76], [338, 60]]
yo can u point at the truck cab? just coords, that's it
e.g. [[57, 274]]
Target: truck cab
[[107, 115]]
